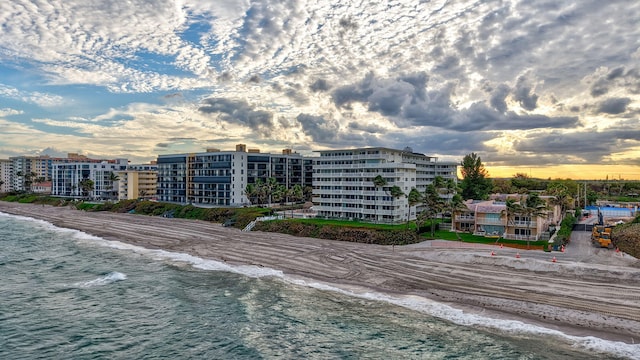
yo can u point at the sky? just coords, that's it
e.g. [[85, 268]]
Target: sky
[[547, 88]]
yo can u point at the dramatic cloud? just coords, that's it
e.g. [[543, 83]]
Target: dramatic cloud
[[319, 128], [521, 82], [239, 111], [614, 105]]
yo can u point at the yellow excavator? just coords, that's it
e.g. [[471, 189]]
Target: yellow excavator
[[601, 236]]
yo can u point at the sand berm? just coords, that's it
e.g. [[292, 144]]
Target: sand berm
[[585, 292]]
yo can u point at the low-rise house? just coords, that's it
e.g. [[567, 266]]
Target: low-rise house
[[41, 187], [509, 217]]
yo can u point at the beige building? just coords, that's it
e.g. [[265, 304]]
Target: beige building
[[6, 170], [492, 218], [138, 182]]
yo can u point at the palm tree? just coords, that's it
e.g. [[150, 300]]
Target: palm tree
[[87, 186], [414, 198], [279, 193], [434, 203], [28, 180], [561, 197], [269, 187], [113, 177], [378, 182], [534, 207], [142, 194], [395, 193], [251, 191], [296, 193], [512, 208], [456, 204], [19, 174], [307, 193]]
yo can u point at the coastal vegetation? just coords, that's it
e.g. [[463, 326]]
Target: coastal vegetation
[[626, 237]]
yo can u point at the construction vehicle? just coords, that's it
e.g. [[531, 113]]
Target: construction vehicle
[[601, 236]]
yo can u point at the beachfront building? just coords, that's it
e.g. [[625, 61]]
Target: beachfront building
[[6, 169], [42, 187], [22, 171], [344, 188], [219, 178], [67, 177], [138, 182], [504, 216]]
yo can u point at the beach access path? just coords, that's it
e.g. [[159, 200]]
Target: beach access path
[[596, 295]]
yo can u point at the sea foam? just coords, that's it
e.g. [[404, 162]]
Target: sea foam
[[103, 280]]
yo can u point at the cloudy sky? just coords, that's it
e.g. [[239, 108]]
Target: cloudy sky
[[545, 87]]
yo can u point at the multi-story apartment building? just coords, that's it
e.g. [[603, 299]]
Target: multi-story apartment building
[[491, 218], [21, 170], [67, 177], [138, 182], [6, 169], [343, 182], [219, 178]]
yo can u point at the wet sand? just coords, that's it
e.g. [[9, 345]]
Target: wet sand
[[584, 295]]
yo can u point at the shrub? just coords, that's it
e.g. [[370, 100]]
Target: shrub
[[564, 234]]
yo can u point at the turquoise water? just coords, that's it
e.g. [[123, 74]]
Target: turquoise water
[[68, 295]]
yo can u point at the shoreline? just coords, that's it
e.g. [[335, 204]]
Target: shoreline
[[601, 305]]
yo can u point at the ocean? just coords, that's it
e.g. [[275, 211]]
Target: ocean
[[65, 294]]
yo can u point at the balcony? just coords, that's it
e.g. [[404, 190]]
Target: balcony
[[532, 237], [466, 218], [531, 224], [482, 221]]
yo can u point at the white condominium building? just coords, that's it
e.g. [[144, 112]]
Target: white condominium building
[[67, 178], [343, 182]]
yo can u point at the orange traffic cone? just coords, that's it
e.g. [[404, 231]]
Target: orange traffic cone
[[517, 255], [554, 259]]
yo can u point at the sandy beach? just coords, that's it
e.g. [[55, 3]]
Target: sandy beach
[[587, 291]]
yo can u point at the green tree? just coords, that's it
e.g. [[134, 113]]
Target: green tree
[[414, 198], [270, 187], [378, 182], [255, 192], [475, 182], [86, 186], [296, 193], [512, 208], [434, 204], [456, 205], [308, 193], [523, 183], [113, 178], [20, 175], [534, 207], [561, 196], [502, 186], [279, 193], [28, 180], [396, 193]]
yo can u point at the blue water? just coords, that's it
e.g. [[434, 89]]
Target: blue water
[[68, 295]]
